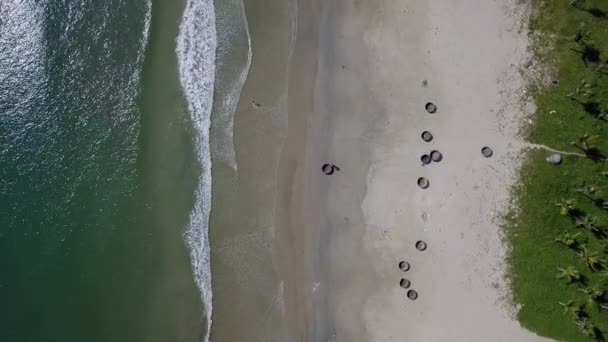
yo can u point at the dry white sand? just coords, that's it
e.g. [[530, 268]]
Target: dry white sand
[[368, 96]]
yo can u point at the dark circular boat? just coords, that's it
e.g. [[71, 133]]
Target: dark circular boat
[[328, 169], [421, 245], [427, 136], [487, 152], [436, 156], [423, 183], [425, 159]]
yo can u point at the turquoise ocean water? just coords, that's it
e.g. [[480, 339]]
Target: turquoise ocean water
[[105, 172]]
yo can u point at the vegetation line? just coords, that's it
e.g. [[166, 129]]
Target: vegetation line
[[558, 261]]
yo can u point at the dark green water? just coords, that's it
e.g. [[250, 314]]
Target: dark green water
[[96, 174]]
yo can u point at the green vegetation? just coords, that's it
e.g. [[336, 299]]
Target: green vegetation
[[559, 237]]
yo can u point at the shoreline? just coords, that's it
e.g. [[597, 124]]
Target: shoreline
[[242, 222]]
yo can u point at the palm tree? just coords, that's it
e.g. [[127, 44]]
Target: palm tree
[[593, 260], [582, 35], [573, 309], [584, 89], [584, 142], [596, 295], [587, 222], [568, 240], [591, 224], [593, 193], [587, 328], [570, 273], [566, 207], [601, 231], [603, 114], [590, 191]]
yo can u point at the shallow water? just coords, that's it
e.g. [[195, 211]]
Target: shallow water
[[248, 295]]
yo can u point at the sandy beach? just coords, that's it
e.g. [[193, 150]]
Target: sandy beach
[[360, 77]]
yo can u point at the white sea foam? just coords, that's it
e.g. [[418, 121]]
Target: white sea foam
[[196, 50], [145, 33]]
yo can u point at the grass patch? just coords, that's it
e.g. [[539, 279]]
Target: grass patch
[[572, 43]]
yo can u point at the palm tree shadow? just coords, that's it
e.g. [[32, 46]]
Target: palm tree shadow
[[602, 236], [600, 203], [595, 154], [589, 54], [596, 12], [591, 107], [584, 281], [598, 335], [576, 214]]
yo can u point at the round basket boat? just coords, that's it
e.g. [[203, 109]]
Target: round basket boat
[[487, 152], [425, 159], [436, 156], [430, 108], [421, 245], [427, 136], [405, 283], [327, 169], [423, 183], [412, 294], [404, 266]]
